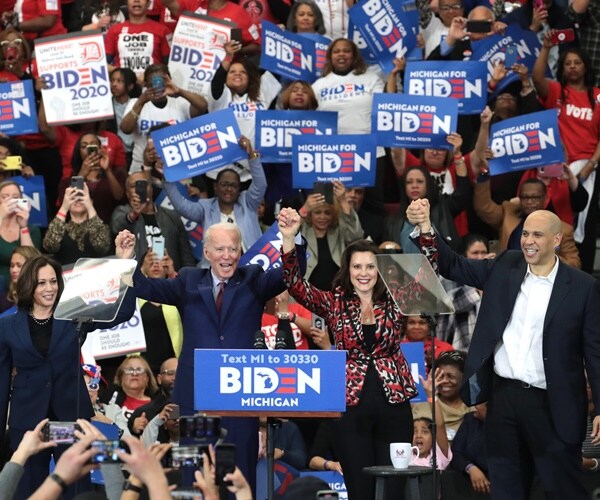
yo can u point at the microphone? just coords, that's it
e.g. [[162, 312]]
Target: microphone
[[280, 341], [259, 340]]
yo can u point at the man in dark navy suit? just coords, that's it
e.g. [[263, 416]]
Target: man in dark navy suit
[[537, 329], [213, 319]]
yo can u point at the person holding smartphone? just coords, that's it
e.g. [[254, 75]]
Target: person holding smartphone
[[576, 96], [76, 231], [147, 221], [329, 224]]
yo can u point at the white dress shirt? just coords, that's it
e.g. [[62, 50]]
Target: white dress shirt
[[520, 353]]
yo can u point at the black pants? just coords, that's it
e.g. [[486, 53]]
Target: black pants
[[366, 433], [522, 441]]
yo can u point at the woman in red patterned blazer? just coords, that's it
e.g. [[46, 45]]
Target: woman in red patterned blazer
[[366, 322]]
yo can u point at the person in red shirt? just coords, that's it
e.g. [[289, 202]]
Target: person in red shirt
[[417, 330], [36, 18], [226, 10], [138, 42]]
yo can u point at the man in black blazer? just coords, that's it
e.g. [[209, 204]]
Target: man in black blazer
[[538, 325]]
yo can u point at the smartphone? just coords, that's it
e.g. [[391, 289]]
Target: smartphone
[[22, 204], [12, 163], [158, 83], [510, 56], [494, 246], [158, 247], [107, 451], [563, 36], [326, 189], [479, 26], [225, 461], [141, 189], [77, 182], [318, 322], [60, 432], [91, 149], [555, 170], [174, 415], [327, 495]]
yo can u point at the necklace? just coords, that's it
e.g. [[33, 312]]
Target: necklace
[[40, 322]]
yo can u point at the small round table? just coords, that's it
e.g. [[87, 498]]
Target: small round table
[[382, 472]]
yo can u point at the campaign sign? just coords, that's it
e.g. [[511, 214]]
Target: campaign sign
[[333, 478], [195, 232], [414, 352], [275, 130], [525, 142], [288, 381], [197, 49], [198, 145], [363, 48], [75, 74], [462, 80], [119, 340], [291, 55], [408, 121], [347, 158], [265, 251], [34, 191], [18, 108], [492, 49], [386, 29]]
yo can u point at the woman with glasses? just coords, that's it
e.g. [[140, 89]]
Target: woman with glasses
[[435, 27], [44, 352], [135, 387]]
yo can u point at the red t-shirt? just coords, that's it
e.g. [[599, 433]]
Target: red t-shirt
[[578, 122], [30, 9], [137, 46], [131, 404], [269, 327], [231, 12]]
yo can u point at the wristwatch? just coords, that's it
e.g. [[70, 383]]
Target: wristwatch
[[127, 486]]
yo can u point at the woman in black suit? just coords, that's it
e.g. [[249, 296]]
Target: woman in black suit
[[44, 353]]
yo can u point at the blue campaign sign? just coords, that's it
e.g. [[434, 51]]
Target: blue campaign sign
[[289, 54], [251, 380], [266, 251], [275, 130], [492, 49], [525, 142], [350, 159], [408, 121], [34, 190], [462, 80], [18, 108], [386, 29], [363, 48], [414, 352], [198, 145]]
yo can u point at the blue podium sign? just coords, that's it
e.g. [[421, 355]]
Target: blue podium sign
[[267, 381]]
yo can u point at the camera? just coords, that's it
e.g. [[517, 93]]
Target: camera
[[91, 149], [77, 182], [199, 427], [60, 432], [107, 451]]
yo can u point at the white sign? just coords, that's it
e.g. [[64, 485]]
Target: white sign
[[197, 50], [119, 340], [75, 74]]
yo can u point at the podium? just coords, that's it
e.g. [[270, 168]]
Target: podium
[[275, 384]]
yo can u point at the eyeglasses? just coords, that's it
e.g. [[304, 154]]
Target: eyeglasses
[[169, 373], [228, 185], [531, 197], [5, 43], [446, 8], [507, 97], [133, 371]]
